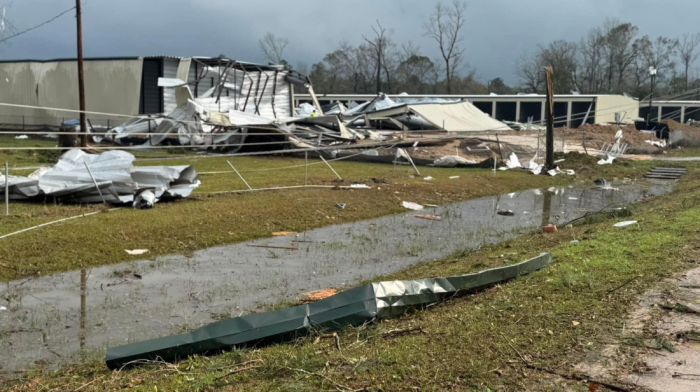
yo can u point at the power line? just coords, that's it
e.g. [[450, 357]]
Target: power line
[[37, 26]]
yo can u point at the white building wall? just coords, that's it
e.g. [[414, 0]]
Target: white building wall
[[608, 105], [111, 86]]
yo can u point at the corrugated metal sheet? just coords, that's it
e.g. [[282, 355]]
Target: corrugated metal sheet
[[169, 71]]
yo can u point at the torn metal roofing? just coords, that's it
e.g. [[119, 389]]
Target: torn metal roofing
[[356, 306]]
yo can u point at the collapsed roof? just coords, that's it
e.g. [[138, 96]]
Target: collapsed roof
[[426, 114]]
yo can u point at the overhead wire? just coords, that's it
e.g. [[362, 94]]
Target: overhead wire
[[37, 26]]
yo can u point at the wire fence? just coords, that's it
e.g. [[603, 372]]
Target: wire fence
[[30, 123]]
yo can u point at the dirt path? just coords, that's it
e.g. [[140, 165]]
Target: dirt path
[[660, 345]]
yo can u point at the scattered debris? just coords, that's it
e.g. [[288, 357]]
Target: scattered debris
[[341, 206], [657, 143], [379, 181], [550, 229], [136, 252], [22, 137], [429, 178], [429, 217], [117, 179], [453, 161], [570, 172], [2, 308], [454, 177], [536, 169], [145, 200], [554, 171], [360, 186], [283, 233], [666, 173], [608, 161], [625, 224], [274, 247], [513, 162], [506, 213], [574, 242], [412, 206], [318, 295]]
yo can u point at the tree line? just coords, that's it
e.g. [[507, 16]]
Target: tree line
[[611, 59], [614, 59]]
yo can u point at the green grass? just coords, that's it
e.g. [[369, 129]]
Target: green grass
[[683, 152], [554, 318], [209, 219]]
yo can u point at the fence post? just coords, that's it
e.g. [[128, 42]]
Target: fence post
[[306, 167], [7, 189], [95, 182]]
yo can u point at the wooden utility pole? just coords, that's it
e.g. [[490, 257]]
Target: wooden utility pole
[[81, 75], [549, 162]]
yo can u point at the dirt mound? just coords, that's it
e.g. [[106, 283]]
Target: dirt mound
[[689, 131], [607, 133]]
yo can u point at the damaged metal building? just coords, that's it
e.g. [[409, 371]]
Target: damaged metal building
[[569, 110], [122, 87]]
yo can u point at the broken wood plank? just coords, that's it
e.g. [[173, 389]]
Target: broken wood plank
[[274, 247]]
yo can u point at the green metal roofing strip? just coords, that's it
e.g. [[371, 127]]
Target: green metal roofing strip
[[352, 307]]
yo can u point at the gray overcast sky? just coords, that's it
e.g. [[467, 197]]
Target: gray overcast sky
[[498, 31]]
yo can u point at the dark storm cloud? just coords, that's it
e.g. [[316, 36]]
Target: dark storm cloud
[[498, 31]]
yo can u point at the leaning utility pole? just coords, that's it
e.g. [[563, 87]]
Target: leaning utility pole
[[81, 76], [549, 73]]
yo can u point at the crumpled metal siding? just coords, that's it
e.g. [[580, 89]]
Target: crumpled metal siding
[[169, 95], [244, 90], [114, 173], [352, 307]]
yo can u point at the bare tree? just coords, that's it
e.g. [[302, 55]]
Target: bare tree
[[303, 68], [273, 47], [380, 52], [438, 69], [621, 52], [529, 70], [562, 55], [414, 71], [445, 27], [659, 53], [592, 58], [687, 47]]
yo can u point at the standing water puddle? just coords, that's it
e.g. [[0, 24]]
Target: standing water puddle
[[74, 316]]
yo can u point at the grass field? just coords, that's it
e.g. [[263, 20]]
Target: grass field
[[553, 318], [208, 219]]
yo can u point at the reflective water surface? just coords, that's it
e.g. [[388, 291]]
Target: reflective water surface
[[74, 316]]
